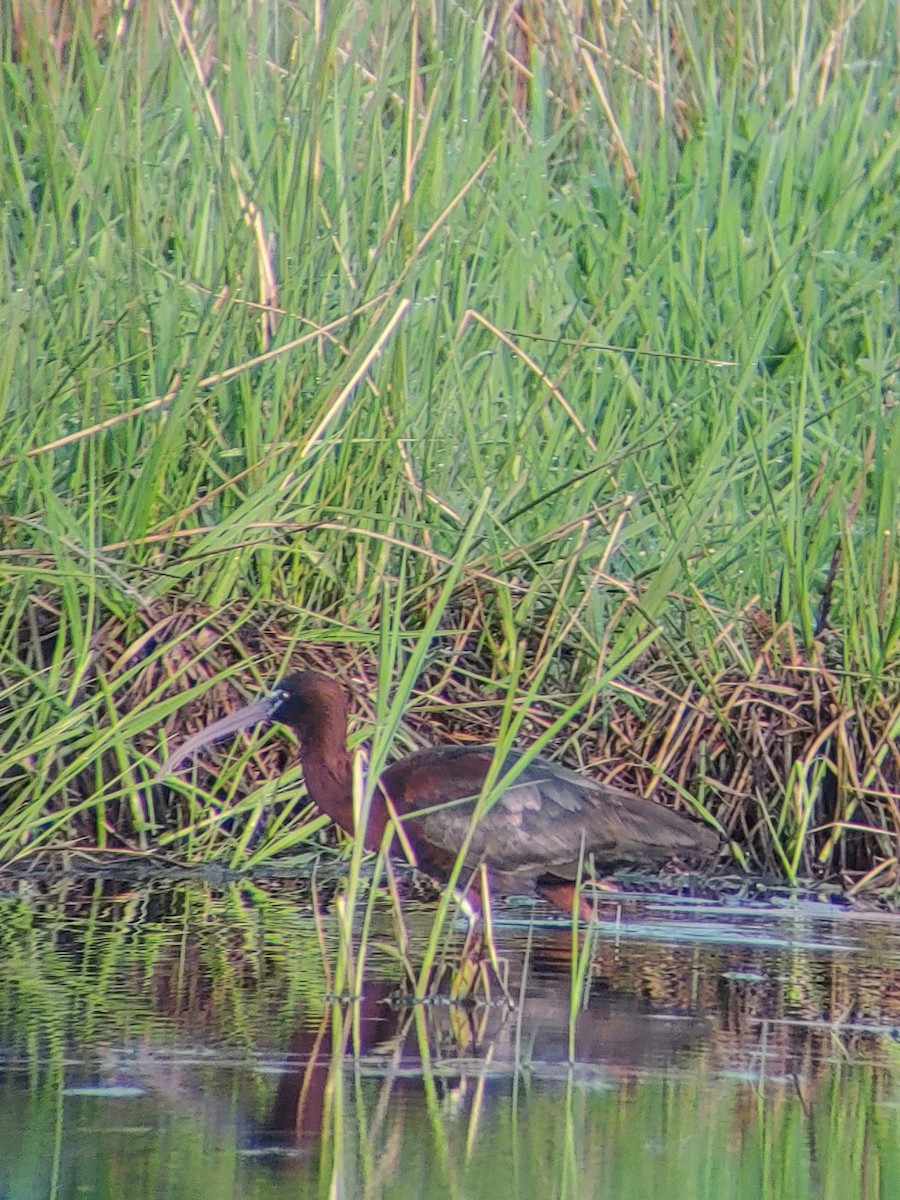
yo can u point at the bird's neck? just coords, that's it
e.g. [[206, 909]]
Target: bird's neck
[[328, 772]]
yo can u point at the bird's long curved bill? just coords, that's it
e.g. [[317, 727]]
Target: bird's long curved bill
[[241, 718]]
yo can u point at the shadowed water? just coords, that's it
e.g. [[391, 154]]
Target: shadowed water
[[180, 1041]]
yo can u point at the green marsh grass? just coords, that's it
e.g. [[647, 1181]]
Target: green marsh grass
[[485, 351]]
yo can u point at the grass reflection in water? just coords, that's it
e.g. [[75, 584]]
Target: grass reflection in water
[[177, 1042]]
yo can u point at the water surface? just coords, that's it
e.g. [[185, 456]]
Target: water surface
[[184, 1042]]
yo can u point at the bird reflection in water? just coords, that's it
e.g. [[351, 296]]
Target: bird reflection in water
[[466, 1060]]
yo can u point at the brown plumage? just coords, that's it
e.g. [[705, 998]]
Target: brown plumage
[[531, 839]]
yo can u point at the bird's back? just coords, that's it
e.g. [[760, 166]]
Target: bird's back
[[543, 823]]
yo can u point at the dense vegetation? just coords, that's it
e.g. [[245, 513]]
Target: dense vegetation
[[531, 355]]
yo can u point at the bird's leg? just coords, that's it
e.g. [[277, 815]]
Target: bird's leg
[[479, 950], [464, 977], [562, 895], [487, 919], [578, 899], [403, 941]]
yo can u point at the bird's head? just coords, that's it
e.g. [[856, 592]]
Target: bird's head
[[313, 705]]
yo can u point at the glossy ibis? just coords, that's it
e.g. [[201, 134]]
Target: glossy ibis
[[532, 839]]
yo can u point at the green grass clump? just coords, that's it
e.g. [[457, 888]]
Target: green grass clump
[[290, 293]]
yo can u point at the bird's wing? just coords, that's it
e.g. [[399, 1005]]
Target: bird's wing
[[543, 823]]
